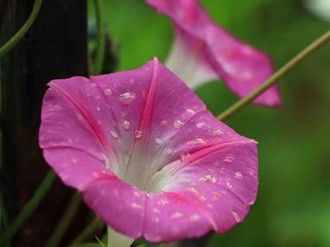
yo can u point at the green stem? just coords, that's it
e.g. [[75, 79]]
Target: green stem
[[65, 221], [87, 232], [29, 207], [100, 37], [279, 74], [20, 34]]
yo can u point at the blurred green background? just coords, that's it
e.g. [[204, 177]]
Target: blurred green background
[[293, 205]]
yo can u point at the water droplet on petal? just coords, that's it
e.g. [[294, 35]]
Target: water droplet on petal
[[229, 69], [192, 189], [138, 134], [183, 157], [229, 158], [178, 124], [131, 81], [98, 108], [202, 198], [58, 107], [218, 132], [94, 84], [127, 98], [208, 179], [200, 125], [126, 125], [229, 185], [163, 123], [136, 206], [108, 91], [196, 141], [191, 111], [237, 218], [238, 175], [158, 141], [114, 134], [176, 215], [194, 217]]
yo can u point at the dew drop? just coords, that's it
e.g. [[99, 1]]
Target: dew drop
[[58, 107], [178, 124], [114, 134], [158, 141], [192, 189], [194, 217], [126, 125], [98, 108], [200, 125], [208, 179], [136, 206], [218, 132], [247, 50], [108, 91], [162, 201], [202, 198], [163, 123], [131, 81], [94, 84], [138, 134], [229, 158], [176, 215], [229, 185], [238, 175], [237, 218], [127, 98], [183, 157], [196, 141], [191, 111], [229, 69]]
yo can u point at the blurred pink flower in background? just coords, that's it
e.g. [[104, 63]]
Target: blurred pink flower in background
[[147, 155], [203, 51]]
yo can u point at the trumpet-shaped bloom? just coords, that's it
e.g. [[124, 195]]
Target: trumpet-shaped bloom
[[203, 51], [146, 154]]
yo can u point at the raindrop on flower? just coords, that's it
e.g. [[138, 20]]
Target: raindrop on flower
[[178, 124], [127, 98], [126, 125], [114, 134], [158, 141], [237, 218], [108, 91], [138, 134], [208, 179], [196, 141]]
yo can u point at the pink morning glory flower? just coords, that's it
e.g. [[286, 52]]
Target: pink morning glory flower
[[204, 51], [147, 155]]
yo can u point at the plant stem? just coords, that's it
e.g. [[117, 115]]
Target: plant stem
[[87, 232], [29, 207], [279, 74], [98, 64], [65, 221], [20, 34]]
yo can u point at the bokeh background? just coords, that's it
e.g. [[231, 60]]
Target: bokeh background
[[293, 205]]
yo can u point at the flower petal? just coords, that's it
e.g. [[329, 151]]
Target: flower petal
[[203, 50], [144, 151], [120, 205]]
